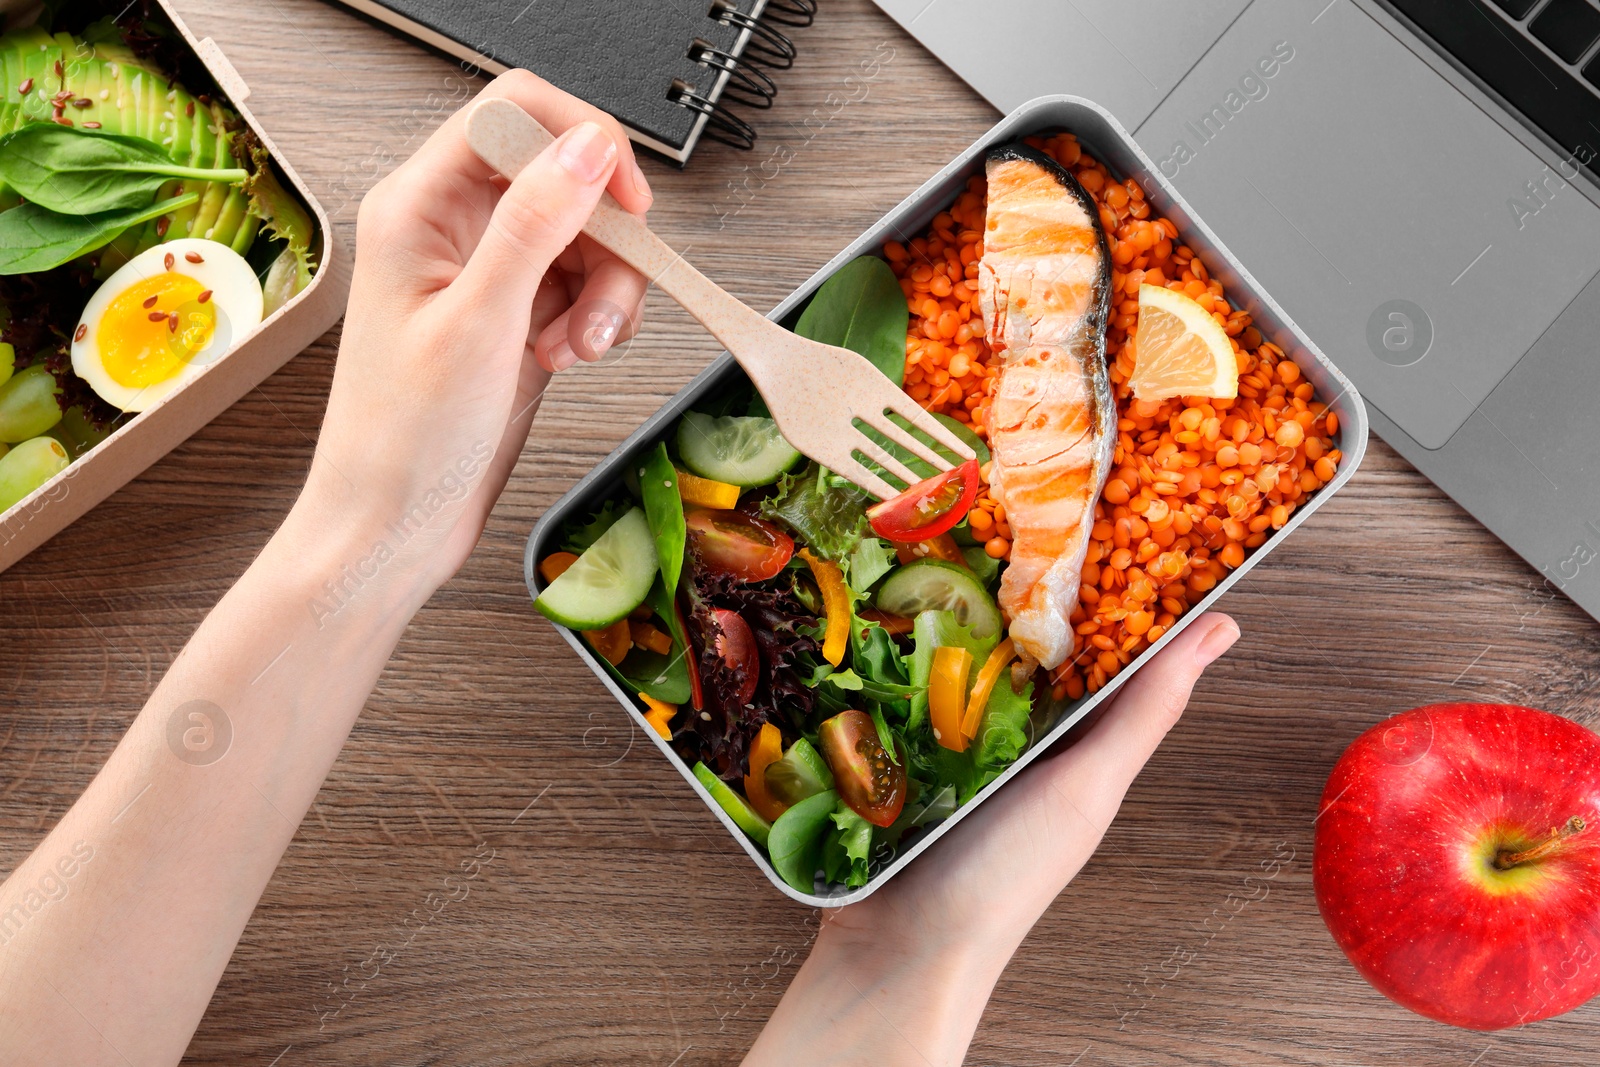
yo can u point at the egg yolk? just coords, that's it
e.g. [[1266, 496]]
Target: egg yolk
[[152, 329]]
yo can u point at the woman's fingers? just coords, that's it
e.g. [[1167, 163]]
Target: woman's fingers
[[539, 215], [604, 313], [448, 159], [1154, 698]]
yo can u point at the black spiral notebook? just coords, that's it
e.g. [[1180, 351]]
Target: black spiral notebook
[[671, 71]]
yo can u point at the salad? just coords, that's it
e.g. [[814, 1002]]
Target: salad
[[834, 670], [842, 674], [143, 231]]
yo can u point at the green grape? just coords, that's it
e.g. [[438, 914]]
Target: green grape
[[76, 432], [8, 362], [28, 466], [28, 405]]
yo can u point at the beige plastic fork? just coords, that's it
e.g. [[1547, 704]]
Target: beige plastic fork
[[816, 392]]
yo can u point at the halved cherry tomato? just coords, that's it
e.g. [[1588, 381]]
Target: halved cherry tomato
[[736, 645], [929, 508], [872, 784], [941, 547], [738, 545]]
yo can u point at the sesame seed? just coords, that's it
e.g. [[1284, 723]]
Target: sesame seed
[[91, 125]]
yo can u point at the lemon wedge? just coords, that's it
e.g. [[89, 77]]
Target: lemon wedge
[[1180, 350]]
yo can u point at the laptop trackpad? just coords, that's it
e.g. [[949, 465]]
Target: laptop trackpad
[[1420, 245]]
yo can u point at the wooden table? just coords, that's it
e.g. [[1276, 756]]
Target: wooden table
[[611, 919]]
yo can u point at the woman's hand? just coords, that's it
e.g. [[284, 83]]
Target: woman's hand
[[902, 977], [461, 307]]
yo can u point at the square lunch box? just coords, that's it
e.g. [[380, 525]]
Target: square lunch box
[[153, 433], [1107, 140]]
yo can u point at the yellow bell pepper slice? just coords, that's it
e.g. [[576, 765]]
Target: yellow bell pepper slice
[[835, 601], [990, 673], [947, 695], [707, 492], [767, 750], [660, 714]]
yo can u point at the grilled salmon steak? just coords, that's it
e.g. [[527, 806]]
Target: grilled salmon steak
[[1044, 285]]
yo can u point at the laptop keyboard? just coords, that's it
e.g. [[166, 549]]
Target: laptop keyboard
[[1541, 56]]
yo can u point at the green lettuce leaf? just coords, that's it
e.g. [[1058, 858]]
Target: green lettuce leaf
[[870, 560], [828, 516], [577, 537], [847, 850], [1003, 734], [931, 630]]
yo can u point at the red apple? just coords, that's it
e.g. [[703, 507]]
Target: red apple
[[1457, 862]]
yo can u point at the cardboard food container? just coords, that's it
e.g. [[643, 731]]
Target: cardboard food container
[[153, 433], [1104, 138]]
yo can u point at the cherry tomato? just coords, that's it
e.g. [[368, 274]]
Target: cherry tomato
[[736, 645], [738, 545], [929, 508], [869, 781]]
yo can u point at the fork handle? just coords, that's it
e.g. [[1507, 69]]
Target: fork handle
[[508, 138]]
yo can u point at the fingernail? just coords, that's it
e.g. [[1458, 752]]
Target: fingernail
[[1215, 643], [586, 151], [562, 356], [639, 182], [592, 333]]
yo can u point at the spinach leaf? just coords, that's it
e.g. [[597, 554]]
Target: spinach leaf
[[73, 171], [658, 482], [795, 843], [33, 238], [828, 515], [847, 848], [863, 309]]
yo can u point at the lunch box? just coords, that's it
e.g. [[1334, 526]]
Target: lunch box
[[1106, 139], [153, 433]]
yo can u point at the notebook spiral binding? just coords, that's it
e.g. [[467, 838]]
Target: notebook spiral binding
[[747, 83]]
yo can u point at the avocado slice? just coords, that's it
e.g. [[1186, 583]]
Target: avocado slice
[[737, 807]]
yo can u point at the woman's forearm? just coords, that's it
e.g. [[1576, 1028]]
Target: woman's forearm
[[114, 932], [859, 1000]]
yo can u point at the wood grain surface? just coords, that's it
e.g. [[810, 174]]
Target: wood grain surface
[[611, 920]]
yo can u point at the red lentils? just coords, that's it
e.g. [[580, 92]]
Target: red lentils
[[1196, 483]]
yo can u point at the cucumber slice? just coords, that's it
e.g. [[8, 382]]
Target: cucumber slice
[[937, 585], [801, 773], [737, 807], [610, 579], [746, 451]]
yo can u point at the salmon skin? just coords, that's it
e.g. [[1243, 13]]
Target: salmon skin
[[1044, 285]]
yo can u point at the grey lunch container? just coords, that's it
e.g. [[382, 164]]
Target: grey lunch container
[[1105, 139]]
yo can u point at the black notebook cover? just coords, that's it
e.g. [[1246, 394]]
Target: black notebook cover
[[623, 56]]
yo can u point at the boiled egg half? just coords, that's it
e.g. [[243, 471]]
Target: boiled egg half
[[162, 318]]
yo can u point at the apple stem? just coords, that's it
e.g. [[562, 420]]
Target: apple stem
[[1506, 859]]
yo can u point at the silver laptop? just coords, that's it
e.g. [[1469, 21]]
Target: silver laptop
[[1417, 182]]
